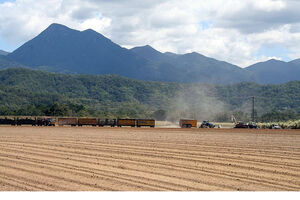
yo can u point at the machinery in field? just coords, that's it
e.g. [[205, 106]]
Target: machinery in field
[[207, 124], [275, 126], [250, 125], [187, 123]]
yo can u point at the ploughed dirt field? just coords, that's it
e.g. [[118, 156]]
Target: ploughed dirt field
[[134, 159]]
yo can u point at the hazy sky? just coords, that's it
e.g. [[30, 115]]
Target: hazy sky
[[241, 32]]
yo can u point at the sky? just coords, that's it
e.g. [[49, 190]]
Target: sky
[[242, 32]]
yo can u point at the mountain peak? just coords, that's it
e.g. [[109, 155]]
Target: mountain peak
[[274, 60], [89, 30], [57, 29], [56, 26], [147, 52], [148, 47], [145, 48], [194, 54]]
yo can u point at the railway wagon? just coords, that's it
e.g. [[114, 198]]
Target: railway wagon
[[40, 122], [126, 122], [67, 121], [26, 121], [107, 122], [145, 122], [7, 121], [50, 122], [87, 121], [187, 123], [45, 122]]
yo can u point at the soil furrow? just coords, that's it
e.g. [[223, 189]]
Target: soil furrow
[[12, 186], [203, 147], [35, 172], [131, 159], [253, 157], [203, 159], [214, 174], [95, 172], [24, 181]]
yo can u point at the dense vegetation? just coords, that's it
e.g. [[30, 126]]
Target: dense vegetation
[[33, 92], [291, 124]]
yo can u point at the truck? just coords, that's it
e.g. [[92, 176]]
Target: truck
[[187, 123], [145, 122]]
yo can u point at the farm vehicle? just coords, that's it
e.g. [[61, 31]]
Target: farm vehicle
[[187, 123], [250, 125], [207, 124]]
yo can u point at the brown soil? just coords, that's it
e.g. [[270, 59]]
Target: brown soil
[[134, 159]]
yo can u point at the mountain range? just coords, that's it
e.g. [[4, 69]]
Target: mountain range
[[61, 49]]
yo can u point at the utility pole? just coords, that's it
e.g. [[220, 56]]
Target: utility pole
[[253, 100]]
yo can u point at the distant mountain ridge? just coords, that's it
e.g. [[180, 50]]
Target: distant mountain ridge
[[3, 53], [276, 71], [61, 49]]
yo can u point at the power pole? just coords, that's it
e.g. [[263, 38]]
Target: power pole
[[253, 100]]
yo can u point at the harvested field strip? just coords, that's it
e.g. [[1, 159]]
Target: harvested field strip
[[63, 167], [39, 172], [201, 150], [245, 149], [204, 158], [177, 153], [11, 186], [215, 172], [23, 181], [66, 158], [74, 171], [94, 171]]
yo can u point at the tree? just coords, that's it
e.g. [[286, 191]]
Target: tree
[[57, 110]]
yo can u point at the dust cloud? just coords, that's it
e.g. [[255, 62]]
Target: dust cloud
[[195, 102]]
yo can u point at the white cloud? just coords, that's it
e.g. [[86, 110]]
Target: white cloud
[[229, 30], [269, 5]]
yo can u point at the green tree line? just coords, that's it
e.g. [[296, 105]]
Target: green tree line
[[38, 93]]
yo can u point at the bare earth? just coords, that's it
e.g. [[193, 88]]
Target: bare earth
[[134, 159]]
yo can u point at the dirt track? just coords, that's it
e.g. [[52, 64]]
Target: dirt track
[[65, 158]]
